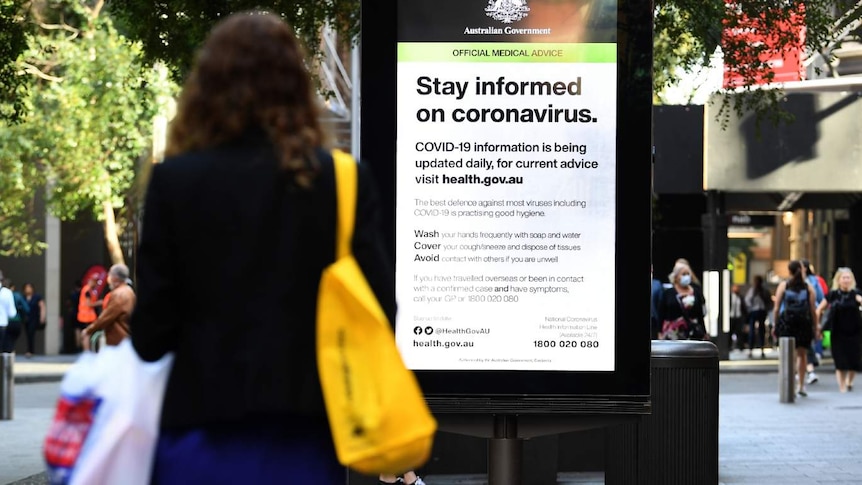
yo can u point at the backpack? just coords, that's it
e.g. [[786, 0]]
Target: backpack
[[795, 320], [796, 301], [377, 413], [21, 307]]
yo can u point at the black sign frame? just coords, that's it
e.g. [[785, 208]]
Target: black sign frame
[[623, 391]]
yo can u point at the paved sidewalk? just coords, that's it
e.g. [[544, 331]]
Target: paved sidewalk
[[816, 440], [41, 368], [741, 362]]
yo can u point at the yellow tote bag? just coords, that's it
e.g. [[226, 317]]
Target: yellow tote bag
[[378, 415]]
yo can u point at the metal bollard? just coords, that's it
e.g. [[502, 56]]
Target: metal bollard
[[787, 369], [7, 385]]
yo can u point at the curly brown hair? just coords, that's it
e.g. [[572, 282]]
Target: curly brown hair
[[251, 74]]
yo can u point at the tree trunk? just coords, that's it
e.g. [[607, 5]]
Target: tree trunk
[[111, 237]]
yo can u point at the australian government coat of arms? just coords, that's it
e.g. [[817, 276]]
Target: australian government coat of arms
[[507, 11]]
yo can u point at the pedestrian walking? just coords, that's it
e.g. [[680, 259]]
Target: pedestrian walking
[[113, 321], [7, 310], [795, 316], [70, 324], [88, 303], [816, 349], [738, 312], [758, 299], [246, 194], [844, 300], [36, 318], [17, 322], [682, 307]]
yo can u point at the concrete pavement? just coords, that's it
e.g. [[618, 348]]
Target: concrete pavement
[[816, 440]]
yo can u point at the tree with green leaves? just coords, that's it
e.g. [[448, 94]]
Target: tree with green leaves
[[13, 42], [688, 33], [87, 128], [88, 159], [172, 31]]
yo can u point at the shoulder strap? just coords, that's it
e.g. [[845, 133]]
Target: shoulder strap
[[345, 189]]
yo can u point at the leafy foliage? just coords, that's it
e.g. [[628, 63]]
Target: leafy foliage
[[76, 97], [172, 31], [13, 42], [688, 33], [88, 123]]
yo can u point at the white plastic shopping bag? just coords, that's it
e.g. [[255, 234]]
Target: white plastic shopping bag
[[107, 419]]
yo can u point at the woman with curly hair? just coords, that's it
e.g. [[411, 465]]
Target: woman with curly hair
[[246, 198]]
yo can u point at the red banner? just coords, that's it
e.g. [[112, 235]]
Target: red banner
[[750, 41]]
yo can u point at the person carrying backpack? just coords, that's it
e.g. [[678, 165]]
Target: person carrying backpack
[[795, 316]]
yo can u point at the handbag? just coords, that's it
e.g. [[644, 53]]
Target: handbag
[[696, 330], [379, 419], [673, 329], [826, 319], [98, 340], [106, 421]]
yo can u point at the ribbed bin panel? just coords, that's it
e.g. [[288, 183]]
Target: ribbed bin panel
[[621, 454], [677, 443], [679, 440]]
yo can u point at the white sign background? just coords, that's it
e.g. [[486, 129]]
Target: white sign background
[[555, 313]]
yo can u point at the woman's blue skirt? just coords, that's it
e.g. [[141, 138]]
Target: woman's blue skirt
[[298, 453]]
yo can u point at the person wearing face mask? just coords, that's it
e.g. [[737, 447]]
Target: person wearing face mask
[[681, 307], [114, 319]]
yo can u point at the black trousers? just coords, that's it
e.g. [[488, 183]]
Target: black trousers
[[737, 327], [10, 337], [30, 331]]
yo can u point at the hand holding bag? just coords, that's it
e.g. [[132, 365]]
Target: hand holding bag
[[379, 419], [106, 423]]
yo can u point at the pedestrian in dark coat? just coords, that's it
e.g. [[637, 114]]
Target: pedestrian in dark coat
[[246, 196]]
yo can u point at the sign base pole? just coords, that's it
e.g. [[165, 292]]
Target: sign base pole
[[505, 452]]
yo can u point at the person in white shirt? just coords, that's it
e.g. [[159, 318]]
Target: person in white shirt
[[7, 309]]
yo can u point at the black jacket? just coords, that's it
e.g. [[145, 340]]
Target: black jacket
[[228, 272]]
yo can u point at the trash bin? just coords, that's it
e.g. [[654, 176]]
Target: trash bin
[[677, 443]]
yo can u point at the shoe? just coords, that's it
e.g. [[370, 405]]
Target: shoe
[[802, 393], [417, 482], [812, 378], [849, 387], [762, 354]]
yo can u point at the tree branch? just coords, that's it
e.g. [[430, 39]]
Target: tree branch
[[65, 27], [96, 9], [30, 68]]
